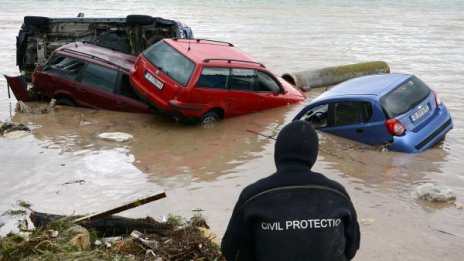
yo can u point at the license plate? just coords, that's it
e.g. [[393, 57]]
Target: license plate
[[419, 113], [153, 80]]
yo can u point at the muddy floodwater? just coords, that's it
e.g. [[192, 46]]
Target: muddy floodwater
[[62, 168]]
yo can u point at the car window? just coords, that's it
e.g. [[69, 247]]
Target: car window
[[242, 79], [366, 111], [125, 88], [338, 114], [347, 113], [171, 62], [214, 77], [317, 116], [100, 77], [64, 66], [267, 83], [404, 97]]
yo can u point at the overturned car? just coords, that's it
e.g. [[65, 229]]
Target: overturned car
[[39, 36]]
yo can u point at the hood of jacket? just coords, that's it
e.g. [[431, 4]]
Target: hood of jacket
[[296, 144]]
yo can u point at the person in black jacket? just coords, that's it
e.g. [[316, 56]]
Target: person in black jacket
[[294, 214]]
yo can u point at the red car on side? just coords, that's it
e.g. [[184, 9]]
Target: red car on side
[[91, 76], [205, 80]]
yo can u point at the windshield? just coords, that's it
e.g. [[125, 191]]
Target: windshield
[[171, 62], [405, 97]]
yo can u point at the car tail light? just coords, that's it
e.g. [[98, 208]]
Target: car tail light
[[395, 127], [437, 99]]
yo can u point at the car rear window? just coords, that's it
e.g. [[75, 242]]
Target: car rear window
[[64, 66], [404, 97], [171, 62]]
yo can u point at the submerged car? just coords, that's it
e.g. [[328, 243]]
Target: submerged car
[[204, 80], [396, 110], [86, 75], [39, 36]]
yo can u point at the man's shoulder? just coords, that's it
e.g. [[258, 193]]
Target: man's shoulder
[[278, 180]]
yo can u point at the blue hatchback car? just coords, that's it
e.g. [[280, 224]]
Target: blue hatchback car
[[396, 110]]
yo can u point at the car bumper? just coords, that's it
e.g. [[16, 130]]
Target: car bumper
[[174, 108], [426, 137], [146, 95], [188, 110]]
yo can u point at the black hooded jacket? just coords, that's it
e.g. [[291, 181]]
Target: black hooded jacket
[[294, 214]]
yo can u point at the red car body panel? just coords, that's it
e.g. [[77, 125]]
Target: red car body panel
[[53, 85], [157, 87]]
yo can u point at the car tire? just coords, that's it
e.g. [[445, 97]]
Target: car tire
[[209, 119], [36, 20], [65, 101], [139, 20]]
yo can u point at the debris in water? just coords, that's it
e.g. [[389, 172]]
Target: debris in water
[[13, 135], [458, 205], [115, 136], [435, 193], [24, 108], [13, 131], [366, 221]]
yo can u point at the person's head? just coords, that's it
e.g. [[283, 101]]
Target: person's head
[[296, 142]]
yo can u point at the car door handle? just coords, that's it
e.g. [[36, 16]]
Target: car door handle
[[81, 90], [120, 103], [359, 130]]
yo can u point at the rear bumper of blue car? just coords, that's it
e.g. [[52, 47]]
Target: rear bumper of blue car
[[414, 142]]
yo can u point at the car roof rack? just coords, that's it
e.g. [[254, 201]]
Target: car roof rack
[[205, 40], [232, 60]]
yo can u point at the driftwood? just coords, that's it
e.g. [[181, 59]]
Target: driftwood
[[109, 226], [116, 210], [103, 223]]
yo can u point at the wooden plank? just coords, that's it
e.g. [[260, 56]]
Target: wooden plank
[[133, 204]]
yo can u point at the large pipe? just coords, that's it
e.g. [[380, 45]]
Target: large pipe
[[332, 75]]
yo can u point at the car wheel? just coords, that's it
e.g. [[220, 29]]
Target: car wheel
[[65, 101], [208, 120], [35, 20], [139, 19]]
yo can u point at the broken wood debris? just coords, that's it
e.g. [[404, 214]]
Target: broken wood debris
[[108, 226], [104, 223], [133, 204], [6, 127], [24, 108]]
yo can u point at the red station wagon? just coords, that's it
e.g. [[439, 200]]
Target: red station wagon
[[207, 80], [86, 75]]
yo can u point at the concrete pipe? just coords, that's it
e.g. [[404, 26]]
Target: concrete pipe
[[332, 75]]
